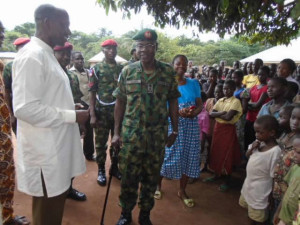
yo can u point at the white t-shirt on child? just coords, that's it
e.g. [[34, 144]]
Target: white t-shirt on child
[[260, 172]]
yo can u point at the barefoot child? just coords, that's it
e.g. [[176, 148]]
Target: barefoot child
[[225, 150], [263, 154]]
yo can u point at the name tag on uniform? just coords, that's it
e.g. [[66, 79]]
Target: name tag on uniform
[[150, 88]]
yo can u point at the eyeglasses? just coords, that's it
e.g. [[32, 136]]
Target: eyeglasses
[[146, 46]]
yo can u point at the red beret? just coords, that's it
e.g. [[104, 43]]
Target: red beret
[[109, 42], [65, 47], [21, 41]]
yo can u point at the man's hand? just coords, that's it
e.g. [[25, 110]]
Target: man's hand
[[82, 116], [116, 141], [171, 139], [93, 121], [79, 106]]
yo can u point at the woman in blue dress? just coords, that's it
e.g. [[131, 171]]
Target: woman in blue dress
[[182, 160]]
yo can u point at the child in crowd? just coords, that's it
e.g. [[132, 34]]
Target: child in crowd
[[289, 204], [203, 121], [209, 108], [276, 90], [292, 92], [237, 76], [286, 160], [211, 83], [225, 150], [252, 102], [263, 154], [284, 121]]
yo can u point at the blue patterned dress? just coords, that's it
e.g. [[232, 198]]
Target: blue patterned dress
[[184, 156]]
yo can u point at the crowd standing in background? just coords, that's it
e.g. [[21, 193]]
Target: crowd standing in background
[[166, 120]]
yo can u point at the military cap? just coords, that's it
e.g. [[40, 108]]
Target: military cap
[[109, 42], [65, 47], [21, 41], [145, 35]]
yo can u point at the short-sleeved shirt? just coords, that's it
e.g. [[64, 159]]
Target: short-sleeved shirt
[[74, 82], [227, 104], [255, 94], [146, 97], [290, 200], [104, 80], [189, 91], [260, 172], [7, 75], [250, 80], [265, 109]]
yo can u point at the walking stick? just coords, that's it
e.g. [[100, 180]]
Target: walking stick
[[114, 163]]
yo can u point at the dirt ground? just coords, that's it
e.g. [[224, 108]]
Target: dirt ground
[[212, 206]]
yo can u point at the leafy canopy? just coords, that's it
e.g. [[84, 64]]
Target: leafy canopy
[[270, 21]]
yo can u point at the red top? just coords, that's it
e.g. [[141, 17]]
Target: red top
[[255, 94]]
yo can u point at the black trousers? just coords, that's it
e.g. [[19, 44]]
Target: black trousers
[[88, 141]]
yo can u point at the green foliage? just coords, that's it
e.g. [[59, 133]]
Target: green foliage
[[268, 21], [199, 52]]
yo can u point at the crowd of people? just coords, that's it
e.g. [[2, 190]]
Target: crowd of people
[[165, 121]]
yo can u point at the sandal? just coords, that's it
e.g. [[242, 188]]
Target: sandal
[[224, 187], [158, 195], [210, 179], [188, 202], [18, 220]]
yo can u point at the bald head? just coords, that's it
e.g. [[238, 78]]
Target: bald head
[[52, 24]]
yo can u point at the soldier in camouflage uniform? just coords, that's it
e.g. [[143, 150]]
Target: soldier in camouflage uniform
[[145, 88], [103, 81], [63, 56], [7, 78]]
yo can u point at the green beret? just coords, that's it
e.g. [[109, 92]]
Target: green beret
[[145, 35]]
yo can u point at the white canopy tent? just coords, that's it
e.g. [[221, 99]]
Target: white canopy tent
[[7, 57], [278, 53], [100, 56]]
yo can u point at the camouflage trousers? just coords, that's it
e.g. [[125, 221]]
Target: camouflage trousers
[[7, 179], [106, 119], [140, 161]]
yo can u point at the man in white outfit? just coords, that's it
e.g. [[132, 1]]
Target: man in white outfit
[[49, 147]]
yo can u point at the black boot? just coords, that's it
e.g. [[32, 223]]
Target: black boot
[[125, 218], [115, 172], [144, 218], [76, 195], [101, 177]]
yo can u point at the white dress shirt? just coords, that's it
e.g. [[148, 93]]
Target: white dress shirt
[[48, 139]]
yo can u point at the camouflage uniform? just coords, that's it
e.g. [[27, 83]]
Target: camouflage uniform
[[144, 130], [103, 80], [77, 94]]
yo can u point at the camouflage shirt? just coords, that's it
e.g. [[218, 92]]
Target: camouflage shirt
[[146, 96], [7, 76], [74, 83], [103, 80]]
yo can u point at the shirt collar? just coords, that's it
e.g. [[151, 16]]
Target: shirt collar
[[43, 44]]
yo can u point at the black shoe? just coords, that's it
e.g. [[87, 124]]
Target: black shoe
[[101, 177], [144, 218], [116, 173], [91, 158], [125, 219], [76, 195]]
